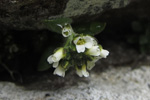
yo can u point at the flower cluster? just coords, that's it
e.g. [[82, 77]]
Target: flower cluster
[[80, 51]]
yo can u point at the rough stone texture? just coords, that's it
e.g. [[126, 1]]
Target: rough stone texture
[[81, 7], [121, 83], [28, 14]]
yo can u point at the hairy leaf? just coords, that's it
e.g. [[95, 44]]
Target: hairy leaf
[[43, 64], [53, 24]]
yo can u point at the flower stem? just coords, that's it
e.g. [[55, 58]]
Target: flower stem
[[69, 40]]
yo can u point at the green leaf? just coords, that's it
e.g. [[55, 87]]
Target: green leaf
[[90, 28], [53, 24], [97, 27], [43, 64]]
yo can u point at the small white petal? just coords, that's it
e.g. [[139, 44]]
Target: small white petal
[[80, 48], [88, 41], [95, 42], [60, 25], [55, 59], [87, 38], [88, 44], [76, 40], [55, 64], [58, 55], [79, 72], [91, 39], [49, 59], [84, 72], [94, 51], [59, 71], [104, 53]]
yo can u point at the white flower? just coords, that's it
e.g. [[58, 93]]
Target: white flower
[[83, 42], [104, 53], [59, 71], [82, 72], [93, 51], [98, 53], [67, 30], [79, 72], [55, 58]]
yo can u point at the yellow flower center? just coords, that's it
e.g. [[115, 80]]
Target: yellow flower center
[[66, 33], [81, 42]]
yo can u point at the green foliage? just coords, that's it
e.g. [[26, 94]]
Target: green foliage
[[92, 28], [53, 24], [43, 64], [56, 25]]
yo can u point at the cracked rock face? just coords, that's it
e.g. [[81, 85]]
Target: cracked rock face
[[28, 14], [121, 83], [81, 7]]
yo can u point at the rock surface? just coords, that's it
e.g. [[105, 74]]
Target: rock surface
[[121, 83], [28, 14]]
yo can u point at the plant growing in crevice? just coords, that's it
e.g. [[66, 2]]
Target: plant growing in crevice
[[79, 51]]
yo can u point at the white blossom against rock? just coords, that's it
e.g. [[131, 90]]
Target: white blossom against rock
[[79, 72], [83, 42], [104, 53], [82, 72], [59, 71], [77, 47], [55, 58], [98, 52]]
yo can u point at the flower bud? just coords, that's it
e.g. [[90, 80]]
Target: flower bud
[[93, 51], [79, 72], [67, 30], [55, 58], [82, 72], [59, 71], [104, 53]]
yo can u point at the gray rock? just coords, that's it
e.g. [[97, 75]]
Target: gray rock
[[81, 7], [28, 14], [121, 83]]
